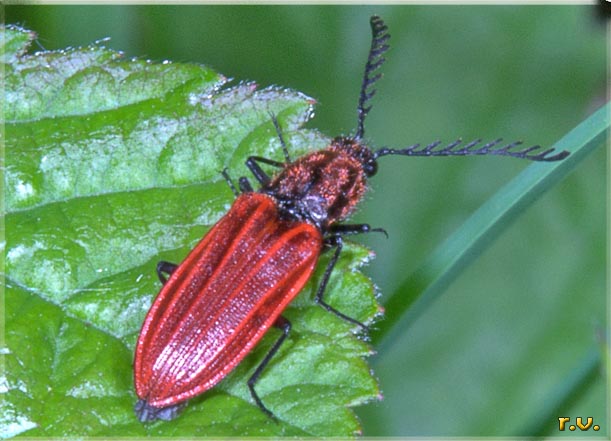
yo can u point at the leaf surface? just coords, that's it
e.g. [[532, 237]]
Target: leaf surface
[[111, 166]]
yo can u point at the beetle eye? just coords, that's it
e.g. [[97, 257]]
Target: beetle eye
[[370, 168]]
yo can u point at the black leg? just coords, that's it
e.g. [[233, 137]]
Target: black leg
[[257, 171], [285, 326], [267, 161], [281, 138], [349, 229], [165, 267], [334, 239], [244, 185], [230, 182], [337, 242], [253, 161]]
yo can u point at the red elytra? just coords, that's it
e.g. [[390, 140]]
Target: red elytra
[[233, 287], [222, 299]]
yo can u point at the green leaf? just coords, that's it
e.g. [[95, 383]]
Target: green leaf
[[111, 166]]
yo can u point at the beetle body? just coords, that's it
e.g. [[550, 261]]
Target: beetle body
[[232, 288], [221, 300]]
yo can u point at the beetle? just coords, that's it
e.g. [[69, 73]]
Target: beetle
[[235, 284]]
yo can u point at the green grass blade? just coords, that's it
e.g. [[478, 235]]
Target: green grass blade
[[569, 391], [423, 286]]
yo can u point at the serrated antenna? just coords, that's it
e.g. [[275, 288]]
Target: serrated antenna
[[456, 149], [379, 37]]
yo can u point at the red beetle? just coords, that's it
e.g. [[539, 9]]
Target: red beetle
[[222, 299]]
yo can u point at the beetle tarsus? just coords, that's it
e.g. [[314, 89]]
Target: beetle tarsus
[[167, 268], [285, 326]]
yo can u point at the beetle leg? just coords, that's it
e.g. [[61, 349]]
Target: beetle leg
[[243, 184], [252, 161], [336, 241], [349, 229], [165, 267], [230, 182], [285, 326], [253, 165], [280, 137]]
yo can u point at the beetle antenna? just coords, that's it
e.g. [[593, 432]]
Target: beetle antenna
[[533, 153], [379, 37]]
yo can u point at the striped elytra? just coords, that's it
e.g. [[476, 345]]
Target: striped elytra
[[234, 285], [220, 301]]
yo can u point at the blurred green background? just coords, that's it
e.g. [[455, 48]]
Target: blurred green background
[[489, 356]]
